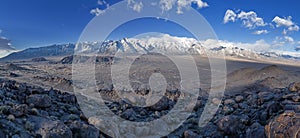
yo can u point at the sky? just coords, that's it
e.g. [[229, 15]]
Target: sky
[[35, 23]]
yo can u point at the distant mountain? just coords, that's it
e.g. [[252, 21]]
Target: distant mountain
[[286, 55], [53, 50], [163, 43]]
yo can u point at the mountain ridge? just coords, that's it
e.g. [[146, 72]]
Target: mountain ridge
[[160, 44]]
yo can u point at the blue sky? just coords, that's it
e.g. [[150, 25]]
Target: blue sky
[[34, 23]]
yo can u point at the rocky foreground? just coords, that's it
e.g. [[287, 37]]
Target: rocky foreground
[[257, 111]]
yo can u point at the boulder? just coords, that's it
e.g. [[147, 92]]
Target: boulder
[[285, 125], [294, 87], [39, 100], [255, 130], [190, 134], [55, 129], [230, 125], [82, 130], [239, 98]]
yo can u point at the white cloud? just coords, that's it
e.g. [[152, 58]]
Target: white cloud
[[259, 32], [5, 44], [229, 16], [167, 5], [283, 21], [259, 45], [278, 41], [97, 11], [294, 28], [287, 23], [289, 39], [285, 32], [282, 41], [250, 19], [200, 3], [187, 4], [136, 6], [102, 2]]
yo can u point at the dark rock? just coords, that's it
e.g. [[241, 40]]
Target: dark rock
[[239, 98], [284, 125], [15, 136], [2, 135], [273, 107], [39, 100], [288, 96], [70, 117], [129, 114], [243, 106], [229, 102], [162, 104], [252, 100], [11, 74], [39, 59], [255, 130], [293, 107], [265, 97], [296, 98], [9, 127], [210, 130], [190, 134], [81, 130], [29, 125], [69, 98], [227, 110], [4, 109], [230, 125], [55, 129], [67, 60], [19, 110], [263, 117], [244, 119], [294, 87]]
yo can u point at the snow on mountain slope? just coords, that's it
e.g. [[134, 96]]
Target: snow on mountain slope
[[4, 53], [161, 43]]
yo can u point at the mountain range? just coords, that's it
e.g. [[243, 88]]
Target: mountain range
[[162, 43]]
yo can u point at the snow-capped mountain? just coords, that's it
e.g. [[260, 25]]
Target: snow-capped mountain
[[162, 43]]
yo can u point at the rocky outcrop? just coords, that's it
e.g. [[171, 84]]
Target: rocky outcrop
[[27, 111], [283, 126], [39, 59], [86, 59]]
